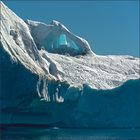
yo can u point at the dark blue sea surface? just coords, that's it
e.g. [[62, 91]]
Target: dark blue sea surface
[[68, 134]]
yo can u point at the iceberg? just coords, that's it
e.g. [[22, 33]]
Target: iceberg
[[48, 75]]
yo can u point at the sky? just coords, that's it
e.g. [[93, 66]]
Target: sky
[[110, 27]]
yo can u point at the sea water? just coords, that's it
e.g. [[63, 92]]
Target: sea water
[[68, 134]]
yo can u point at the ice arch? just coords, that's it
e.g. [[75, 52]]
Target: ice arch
[[50, 37], [62, 44]]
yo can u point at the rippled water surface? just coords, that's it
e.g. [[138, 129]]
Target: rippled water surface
[[68, 134]]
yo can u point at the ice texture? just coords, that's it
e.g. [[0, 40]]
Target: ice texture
[[49, 75]]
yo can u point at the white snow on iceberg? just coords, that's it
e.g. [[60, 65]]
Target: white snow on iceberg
[[48, 71]]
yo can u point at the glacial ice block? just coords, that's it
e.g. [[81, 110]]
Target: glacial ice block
[[55, 35]]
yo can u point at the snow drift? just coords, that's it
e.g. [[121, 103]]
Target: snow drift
[[47, 71]]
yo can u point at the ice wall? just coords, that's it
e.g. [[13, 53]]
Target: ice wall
[[77, 107]]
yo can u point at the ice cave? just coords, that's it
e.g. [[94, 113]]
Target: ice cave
[[62, 44]]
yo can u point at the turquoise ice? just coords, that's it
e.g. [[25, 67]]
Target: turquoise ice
[[62, 40], [61, 44]]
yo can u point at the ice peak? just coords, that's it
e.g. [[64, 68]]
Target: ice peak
[[55, 22], [2, 4]]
